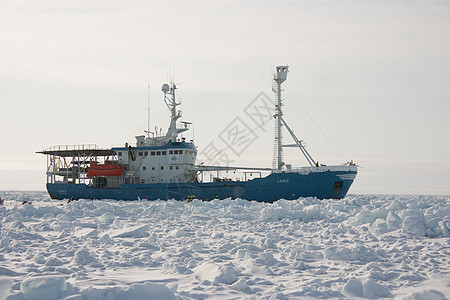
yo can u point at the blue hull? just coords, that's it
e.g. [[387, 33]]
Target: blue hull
[[289, 186]]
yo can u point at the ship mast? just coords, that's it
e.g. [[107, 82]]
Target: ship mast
[[170, 100], [278, 163], [279, 78]]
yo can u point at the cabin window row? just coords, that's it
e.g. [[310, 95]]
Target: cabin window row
[[162, 168], [175, 152], [179, 179], [155, 153]]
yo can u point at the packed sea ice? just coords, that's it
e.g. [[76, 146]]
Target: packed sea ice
[[363, 246]]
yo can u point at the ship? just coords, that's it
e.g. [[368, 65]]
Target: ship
[[164, 166]]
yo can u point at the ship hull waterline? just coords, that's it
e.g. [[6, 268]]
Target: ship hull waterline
[[284, 185]]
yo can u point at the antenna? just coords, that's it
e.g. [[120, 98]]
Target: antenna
[[168, 70], [148, 99], [172, 67], [271, 68]]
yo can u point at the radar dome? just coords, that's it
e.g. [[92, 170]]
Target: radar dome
[[165, 88]]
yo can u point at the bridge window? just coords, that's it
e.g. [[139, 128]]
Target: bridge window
[[181, 151], [164, 153], [152, 153], [170, 151], [158, 152], [120, 153], [140, 153], [146, 153]]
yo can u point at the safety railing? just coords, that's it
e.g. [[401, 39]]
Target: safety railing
[[73, 147]]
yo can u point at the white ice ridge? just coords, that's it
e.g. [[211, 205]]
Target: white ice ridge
[[367, 246]]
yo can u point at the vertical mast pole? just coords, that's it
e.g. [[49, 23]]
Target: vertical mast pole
[[279, 78], [279, 115], [174, 104], [173, 121]]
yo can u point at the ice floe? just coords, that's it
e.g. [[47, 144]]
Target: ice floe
[[368, 246]]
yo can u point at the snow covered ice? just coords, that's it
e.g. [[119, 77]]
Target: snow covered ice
[[368, 246]]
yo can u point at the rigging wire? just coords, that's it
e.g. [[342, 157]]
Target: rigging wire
[[312, 120]]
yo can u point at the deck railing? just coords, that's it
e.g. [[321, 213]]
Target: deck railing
[[73, 147]]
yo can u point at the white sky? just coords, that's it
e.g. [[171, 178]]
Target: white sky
[[374, 75]]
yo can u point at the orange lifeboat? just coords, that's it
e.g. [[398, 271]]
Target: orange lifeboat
[[109, 168]]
